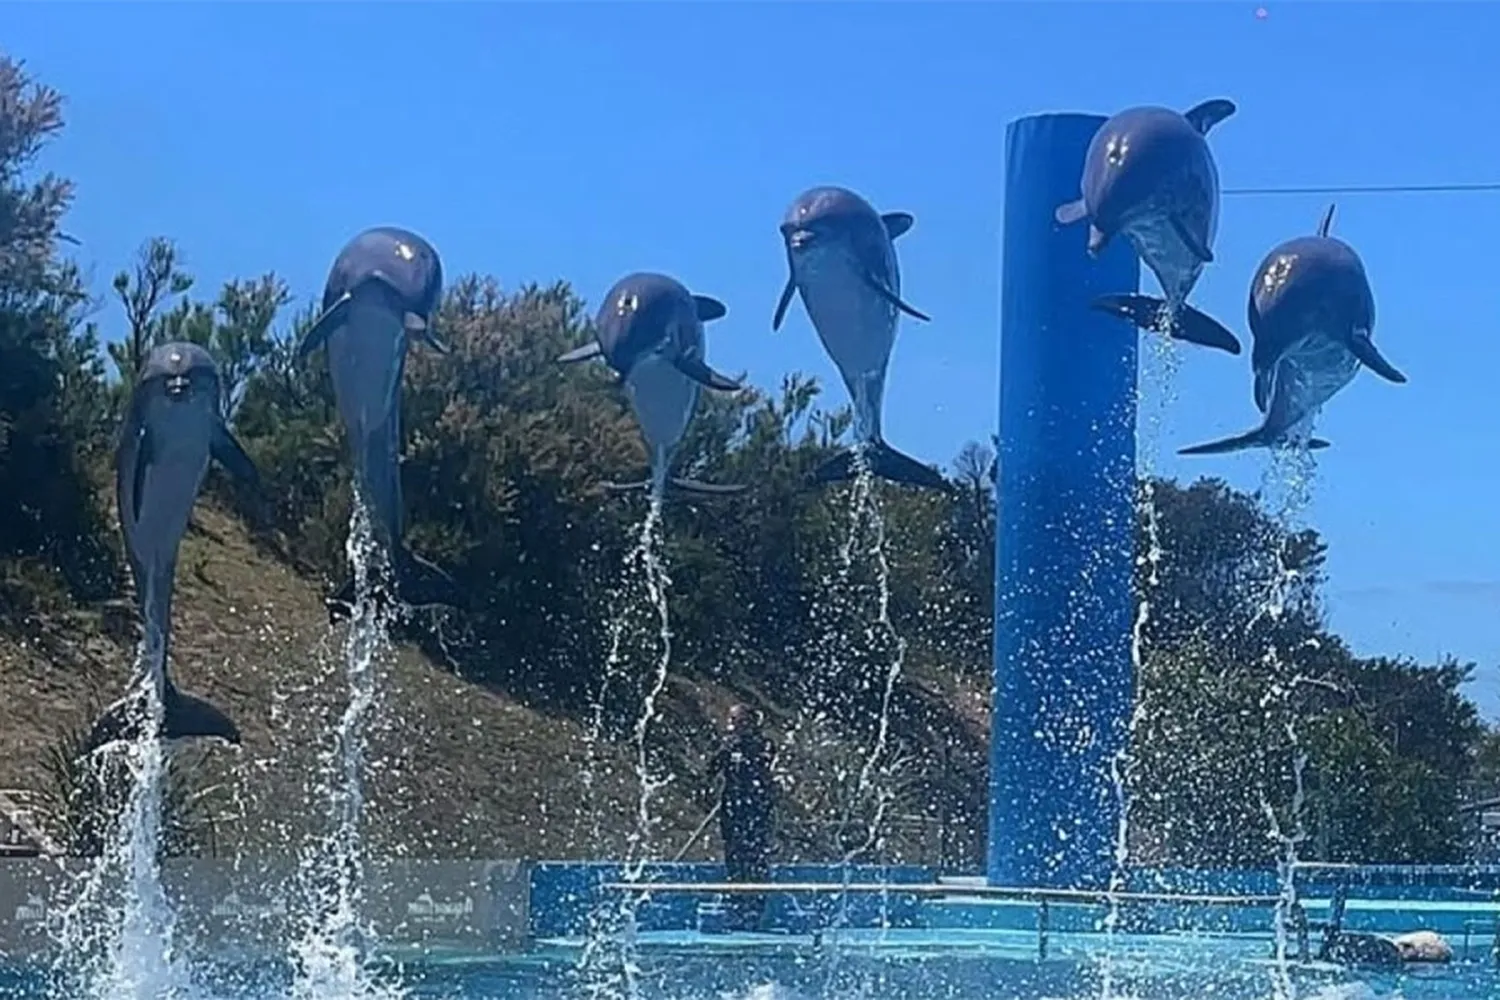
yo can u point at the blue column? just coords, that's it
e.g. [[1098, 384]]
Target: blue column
[[1064, 539]]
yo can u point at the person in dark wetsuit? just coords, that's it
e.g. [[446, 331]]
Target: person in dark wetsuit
[[745, 807]]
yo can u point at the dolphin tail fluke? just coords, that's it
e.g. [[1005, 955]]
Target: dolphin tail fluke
[[188, 716], [1261, 437], [885, 462], [184, 716], [1188, 324]]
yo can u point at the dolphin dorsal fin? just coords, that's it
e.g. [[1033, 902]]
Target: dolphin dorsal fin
[[897, 223], [1208, 114], [709, 308], [1327, 222]]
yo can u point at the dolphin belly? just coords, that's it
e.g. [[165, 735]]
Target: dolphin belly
[[1309, 374], [1157, 244], [366, 357], [180, 434], [663, 400], [856, 325]]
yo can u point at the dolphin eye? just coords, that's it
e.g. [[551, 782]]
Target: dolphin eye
[[1115, 150]]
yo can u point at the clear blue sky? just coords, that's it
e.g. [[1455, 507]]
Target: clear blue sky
[[585, 141]]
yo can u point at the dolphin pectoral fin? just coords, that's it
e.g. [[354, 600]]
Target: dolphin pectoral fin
[[142, 462], [1191, 240], [709, 308], [1369, 355], [324, 325], [1070, 212], [229, 453], [885, 462], [697, 488], [1208, 114], [585, 353], [784, 303], [1314, 444], [187, 716], [419, 583], [699, 372], [898, 224], [891, 297], [417, 327]]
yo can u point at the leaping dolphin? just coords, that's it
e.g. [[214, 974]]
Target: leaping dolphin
[[841, 256], [173, 426], [1311, 315], [1149, 175], [381, 294], [649, 329]]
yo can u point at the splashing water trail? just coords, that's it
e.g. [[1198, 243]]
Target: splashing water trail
[[1289, 482], [608, 966], [333, 953], [865, 516], [1161, 360]]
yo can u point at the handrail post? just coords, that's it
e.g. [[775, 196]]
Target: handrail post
[[1043, 922]]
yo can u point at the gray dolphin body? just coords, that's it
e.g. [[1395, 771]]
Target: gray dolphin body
[[172, 428], [1311, 315], [1149, 176], [841, 257], [381, 294], [649, 329]]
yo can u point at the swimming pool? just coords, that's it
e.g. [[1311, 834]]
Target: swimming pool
[[878, 965]]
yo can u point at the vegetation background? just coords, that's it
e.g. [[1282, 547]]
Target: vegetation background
[[491, 738]]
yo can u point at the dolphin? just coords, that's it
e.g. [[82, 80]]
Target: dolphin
[[1149, 175], [649, 329], [841, 256], [1311, 315], [173, 425], [381, 295]]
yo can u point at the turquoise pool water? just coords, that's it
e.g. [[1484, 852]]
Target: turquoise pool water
[[891, 965]]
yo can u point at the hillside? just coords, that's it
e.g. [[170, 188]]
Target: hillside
[[453, 769]]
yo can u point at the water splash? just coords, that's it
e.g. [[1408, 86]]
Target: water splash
[[1160, 363], [1288, 484], [608, 966], [118, 929], [333, 954]]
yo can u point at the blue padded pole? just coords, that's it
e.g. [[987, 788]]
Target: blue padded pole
[[1065, 515]]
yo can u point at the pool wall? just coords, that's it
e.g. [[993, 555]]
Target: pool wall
[[1065, 523], [229, 907]]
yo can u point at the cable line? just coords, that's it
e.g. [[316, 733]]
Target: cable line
[[1370, 189]]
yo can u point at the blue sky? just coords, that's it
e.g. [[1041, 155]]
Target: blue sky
[[537, 141]]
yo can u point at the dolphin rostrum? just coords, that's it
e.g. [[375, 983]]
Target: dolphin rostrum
[[1311, 315], [1149, 175], [173, 425], [841, 256], [381, 295], [649, 329]]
